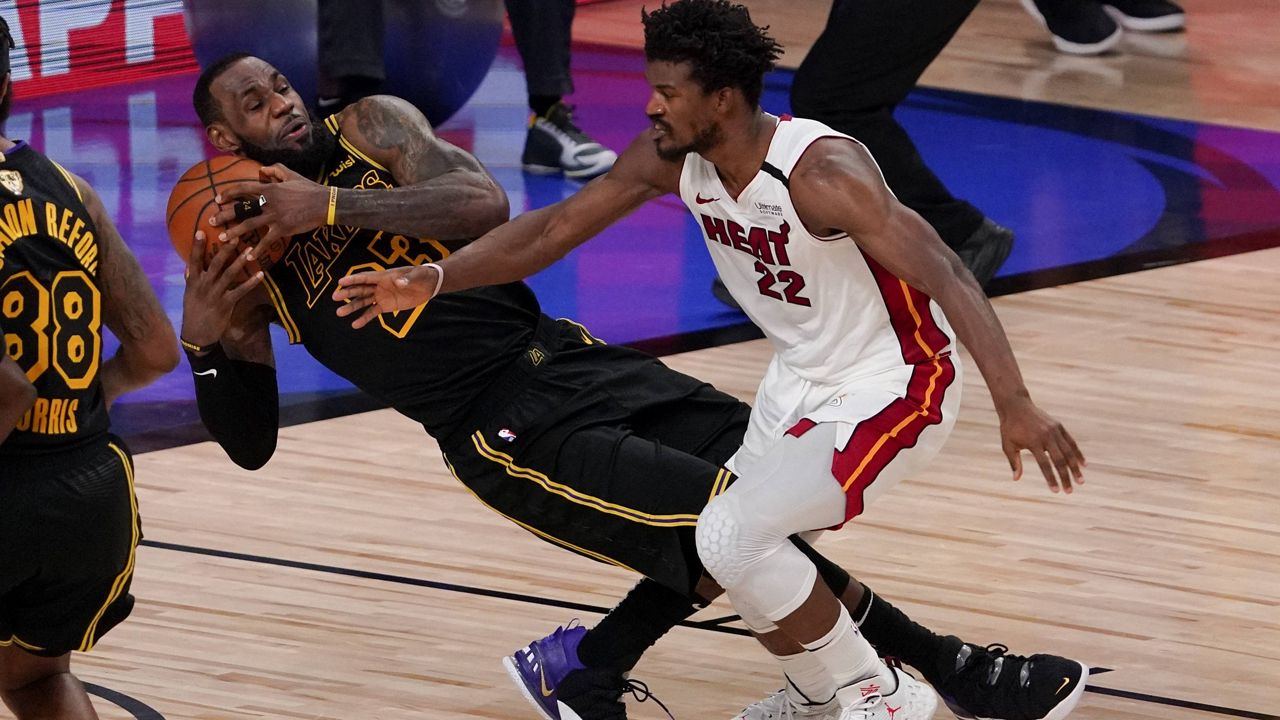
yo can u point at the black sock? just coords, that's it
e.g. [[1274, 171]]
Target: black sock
[[643, 616], [894, 634], [540, 104]]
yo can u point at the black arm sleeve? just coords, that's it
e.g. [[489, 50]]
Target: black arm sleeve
[[239, 404]]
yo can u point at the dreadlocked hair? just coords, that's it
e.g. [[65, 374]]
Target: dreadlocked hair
[[717, 39]]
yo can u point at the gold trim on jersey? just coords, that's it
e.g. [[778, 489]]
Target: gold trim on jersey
[[545, 536], [70, 180], [587, 337], [86, 644], [277, 300], [331, 122], [345, 143], [574, 496], [15, 640]]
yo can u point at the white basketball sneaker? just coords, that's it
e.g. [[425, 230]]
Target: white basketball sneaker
[[875, 699], [780, 706]]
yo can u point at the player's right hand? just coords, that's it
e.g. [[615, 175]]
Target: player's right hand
[[212, 292], [285, 204], [373, 293], [1024, 426]]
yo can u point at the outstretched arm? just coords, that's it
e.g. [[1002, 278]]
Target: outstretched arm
[[521, 247], [441, 192], [836, 186]]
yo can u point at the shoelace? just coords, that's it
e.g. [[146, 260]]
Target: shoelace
[[641, 693], [989, 665], [864, 709], [994, 661]]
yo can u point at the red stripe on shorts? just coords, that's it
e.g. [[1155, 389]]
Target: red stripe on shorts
[[877, 440]]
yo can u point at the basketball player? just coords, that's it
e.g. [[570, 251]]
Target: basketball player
[[68, 514], [863, 388], [597, 448]]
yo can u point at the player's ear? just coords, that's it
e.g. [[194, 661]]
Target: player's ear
[[222, 138], [724, 100]]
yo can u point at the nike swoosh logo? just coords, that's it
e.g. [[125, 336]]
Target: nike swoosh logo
[[1065, 681], [703, 201], [542, 677], [212, 372]]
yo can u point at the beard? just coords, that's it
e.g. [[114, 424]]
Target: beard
[[705, 139], [307, 160]]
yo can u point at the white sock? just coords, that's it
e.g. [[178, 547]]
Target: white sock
[[808, 681], [847, 655]]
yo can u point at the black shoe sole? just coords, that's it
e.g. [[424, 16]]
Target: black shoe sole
[[722, 294], [986, 250]]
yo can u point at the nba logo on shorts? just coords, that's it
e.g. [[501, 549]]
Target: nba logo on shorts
[[507, 435]]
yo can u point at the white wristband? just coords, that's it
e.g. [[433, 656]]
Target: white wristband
[[439, 279]]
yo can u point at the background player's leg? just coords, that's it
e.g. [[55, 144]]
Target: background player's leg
[[554, 143], [350, 52], [542, 31], [40, 688], [653, 493], [867, 59]]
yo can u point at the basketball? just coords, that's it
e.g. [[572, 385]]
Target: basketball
[[191, 205]]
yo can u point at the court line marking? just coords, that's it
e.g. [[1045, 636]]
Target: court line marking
[[712, 625]]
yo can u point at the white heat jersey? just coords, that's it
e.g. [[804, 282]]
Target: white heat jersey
[[834, 315]]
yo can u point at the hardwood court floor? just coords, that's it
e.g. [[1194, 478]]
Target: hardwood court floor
[[1221, 70], [1162, 567]]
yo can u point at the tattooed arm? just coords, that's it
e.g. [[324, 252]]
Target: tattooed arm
[[441, 192], [444, 193], [130, 308]]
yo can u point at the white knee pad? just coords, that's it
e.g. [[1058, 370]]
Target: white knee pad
[[718, 539], [754, 563]]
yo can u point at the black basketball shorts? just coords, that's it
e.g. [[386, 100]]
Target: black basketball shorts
[[69, 527], [608, 453]]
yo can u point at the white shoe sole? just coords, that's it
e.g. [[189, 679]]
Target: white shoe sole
[[1074, 48], [578, 174], [542, 169], [1165, 23], [566, 712], [1064, 708]]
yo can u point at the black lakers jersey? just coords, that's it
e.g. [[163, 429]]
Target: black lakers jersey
[[428, 362], [50, 303]]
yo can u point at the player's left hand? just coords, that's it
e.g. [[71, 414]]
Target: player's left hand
[[283, 204], [1023, 426], [373, 293]]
